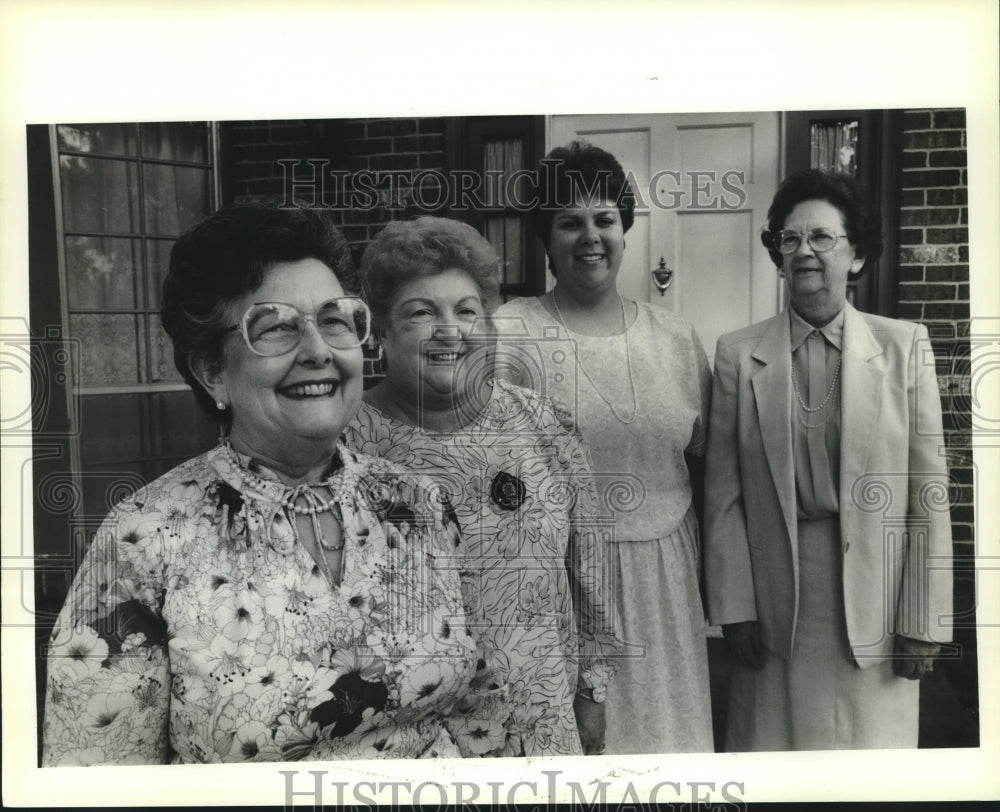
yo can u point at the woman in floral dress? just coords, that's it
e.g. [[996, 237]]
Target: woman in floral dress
[[515, 469], [278, 597]]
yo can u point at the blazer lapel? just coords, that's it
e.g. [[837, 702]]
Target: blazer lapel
[[772, 388], [861, 399]]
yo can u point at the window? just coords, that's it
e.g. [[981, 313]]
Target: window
[[498, 148], [125, 192], [866, 144]]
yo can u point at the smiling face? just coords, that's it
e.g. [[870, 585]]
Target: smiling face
[[586, 244], [289, 408], [436, 334], [817, 282]]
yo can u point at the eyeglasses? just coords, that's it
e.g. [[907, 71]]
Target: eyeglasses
[[274, 328], [820, 240]]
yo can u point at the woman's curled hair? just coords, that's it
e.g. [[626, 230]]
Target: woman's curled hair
[[861, 221], [406, 250], [223, 258]]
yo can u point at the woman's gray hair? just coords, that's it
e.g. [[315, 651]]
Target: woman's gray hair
[[406, 250]]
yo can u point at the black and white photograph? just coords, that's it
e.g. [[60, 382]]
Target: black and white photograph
[[641, 448]]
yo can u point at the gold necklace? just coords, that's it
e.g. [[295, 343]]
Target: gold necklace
[[628, 364]]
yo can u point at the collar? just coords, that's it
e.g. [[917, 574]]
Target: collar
[[833, 330], [260, 484]]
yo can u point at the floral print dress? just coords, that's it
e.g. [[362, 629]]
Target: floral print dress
[[519, 477], [199, 628]]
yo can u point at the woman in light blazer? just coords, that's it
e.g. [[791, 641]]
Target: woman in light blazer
[[828, 540]]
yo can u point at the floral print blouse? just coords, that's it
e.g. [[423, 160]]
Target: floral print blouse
[[199, 629], [519, 477]]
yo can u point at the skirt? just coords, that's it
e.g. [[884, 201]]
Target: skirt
[[820, 699], [659, 700]]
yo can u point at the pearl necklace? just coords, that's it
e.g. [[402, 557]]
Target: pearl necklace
[[812, 410], [341, 487], [628, 363]]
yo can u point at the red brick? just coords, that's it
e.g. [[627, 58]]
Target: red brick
[[936, 292], [432, 160], [383, 162], [939, 310], [289, 133], [961, 532], [369, 146], [917, 120], [430, 125], [924, 254], [912, 197], [947, 197], [932, 217], [913, 178], [911, 236], [963, 514], [948, 157], [392, 126], [911, 273], [909, 310], [945, 273], [942, 236], [945, 119], [915, 159], [963, 474], [930, 139], [418, 143], [268, 152]]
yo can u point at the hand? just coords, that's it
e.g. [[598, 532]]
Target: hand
[[591, 722], [913, 658], [744, 643]]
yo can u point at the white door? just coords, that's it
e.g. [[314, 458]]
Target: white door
[[704, 183]]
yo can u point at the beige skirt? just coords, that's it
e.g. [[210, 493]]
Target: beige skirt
[[820, 699], [659, 701]]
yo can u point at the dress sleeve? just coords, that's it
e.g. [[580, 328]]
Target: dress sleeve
[[728, 573], [107, 689], [589, 572]]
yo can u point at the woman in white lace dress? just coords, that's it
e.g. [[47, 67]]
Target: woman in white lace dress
[[638, 382]]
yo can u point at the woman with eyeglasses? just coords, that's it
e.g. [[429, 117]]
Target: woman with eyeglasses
[[828, 541], [279, 597]]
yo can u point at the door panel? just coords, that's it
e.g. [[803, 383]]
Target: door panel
[[703, 184]]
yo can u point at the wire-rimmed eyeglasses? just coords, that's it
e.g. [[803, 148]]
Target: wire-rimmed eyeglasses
[[787, 241]]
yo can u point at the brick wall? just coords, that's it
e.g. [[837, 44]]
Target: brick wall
[[381, 147], [934, 289]]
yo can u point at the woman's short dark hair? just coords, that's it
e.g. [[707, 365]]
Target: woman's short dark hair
[[412, 249], [578, 170], [223, 258], [862, 222]]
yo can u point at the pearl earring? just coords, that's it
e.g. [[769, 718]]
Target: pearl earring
[[220, 405]]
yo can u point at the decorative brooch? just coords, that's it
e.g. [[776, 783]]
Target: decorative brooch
[[507, 491]]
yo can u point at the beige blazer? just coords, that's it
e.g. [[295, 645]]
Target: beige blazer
[[894, 523]]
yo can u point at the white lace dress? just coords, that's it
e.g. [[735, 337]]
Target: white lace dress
[[659, 700]]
